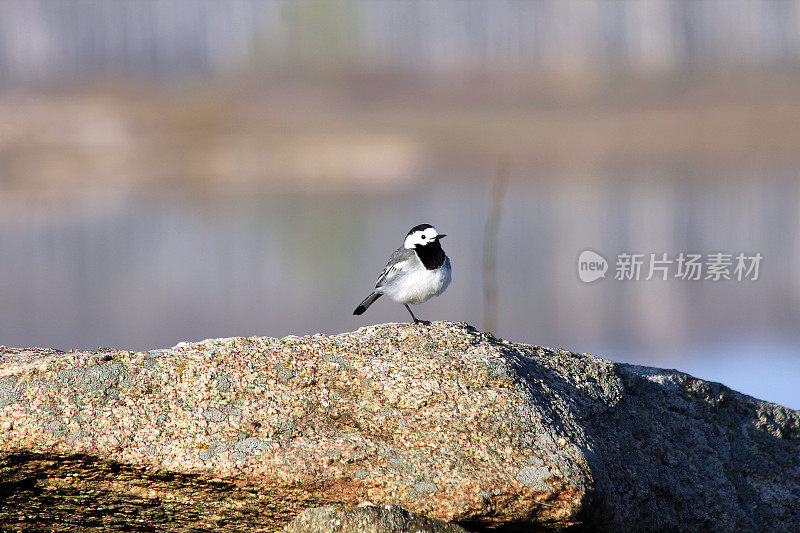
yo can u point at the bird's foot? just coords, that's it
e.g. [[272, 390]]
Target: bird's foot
[[415, 319]]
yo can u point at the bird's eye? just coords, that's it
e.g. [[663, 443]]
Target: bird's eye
[[424, 237]]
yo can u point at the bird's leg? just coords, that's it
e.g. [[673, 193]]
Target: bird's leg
[[416, 320]]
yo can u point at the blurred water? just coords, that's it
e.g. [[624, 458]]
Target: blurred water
[[139, 272]]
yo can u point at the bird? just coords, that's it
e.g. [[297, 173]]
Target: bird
[[415, 273]]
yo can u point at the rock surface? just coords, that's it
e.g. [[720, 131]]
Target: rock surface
[[367, 519], [243, 434]]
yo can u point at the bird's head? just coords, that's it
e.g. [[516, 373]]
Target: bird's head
[[422, 235]]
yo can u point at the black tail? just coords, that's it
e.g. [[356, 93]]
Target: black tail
[[366, 303]]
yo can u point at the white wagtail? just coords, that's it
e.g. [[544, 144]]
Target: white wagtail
[[416, 272]]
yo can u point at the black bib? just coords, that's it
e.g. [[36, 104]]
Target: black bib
[[431, 255]]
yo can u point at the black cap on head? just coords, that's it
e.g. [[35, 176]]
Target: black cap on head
[[421, 227]]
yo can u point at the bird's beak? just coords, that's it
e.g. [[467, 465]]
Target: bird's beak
[[440, 236]]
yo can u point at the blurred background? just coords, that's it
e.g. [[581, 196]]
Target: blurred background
[[184, 169]]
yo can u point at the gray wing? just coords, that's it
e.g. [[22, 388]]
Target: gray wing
[[399, 261]]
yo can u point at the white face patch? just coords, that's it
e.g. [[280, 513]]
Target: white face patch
[[420, 238]]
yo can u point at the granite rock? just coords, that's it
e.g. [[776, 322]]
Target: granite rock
[[367, 519], [245, 433]]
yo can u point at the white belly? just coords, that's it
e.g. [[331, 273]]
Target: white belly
[[419, 285]]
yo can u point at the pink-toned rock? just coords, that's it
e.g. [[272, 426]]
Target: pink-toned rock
[[243, 434]]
